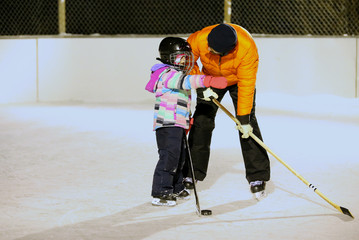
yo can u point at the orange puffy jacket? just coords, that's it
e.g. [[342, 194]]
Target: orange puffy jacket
[[239, 66]]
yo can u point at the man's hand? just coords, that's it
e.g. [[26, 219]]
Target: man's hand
[[208, 93], [245, 130]]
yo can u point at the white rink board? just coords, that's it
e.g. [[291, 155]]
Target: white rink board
[[115, 70], [307, 66], [17, 70], [95, 69]]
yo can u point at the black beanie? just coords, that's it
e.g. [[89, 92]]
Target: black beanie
[[222, 38]]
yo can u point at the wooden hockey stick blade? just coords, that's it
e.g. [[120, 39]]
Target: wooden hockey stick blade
[[339, 208]]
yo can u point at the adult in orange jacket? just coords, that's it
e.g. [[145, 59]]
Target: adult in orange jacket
[[228, 50]]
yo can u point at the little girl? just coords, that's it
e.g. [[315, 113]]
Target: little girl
[[172, 87]]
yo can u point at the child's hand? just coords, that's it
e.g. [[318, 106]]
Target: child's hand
[[216, 82]]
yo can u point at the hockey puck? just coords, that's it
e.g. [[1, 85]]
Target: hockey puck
[[206, 212]]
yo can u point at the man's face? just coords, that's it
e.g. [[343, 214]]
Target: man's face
[[213, 51]]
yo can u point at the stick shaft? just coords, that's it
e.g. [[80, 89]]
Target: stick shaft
[[198, 208]]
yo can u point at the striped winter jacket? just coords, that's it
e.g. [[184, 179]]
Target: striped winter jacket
[[173, 95]]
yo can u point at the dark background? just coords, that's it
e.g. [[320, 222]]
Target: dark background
[[162, 17]]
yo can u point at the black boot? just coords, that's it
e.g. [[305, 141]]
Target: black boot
[[188, 183], [258, 189]]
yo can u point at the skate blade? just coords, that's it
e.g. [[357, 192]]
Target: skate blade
[[158, 203], [260, 195], [163, 204], [184, 198]]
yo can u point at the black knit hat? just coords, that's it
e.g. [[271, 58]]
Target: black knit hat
[[222, 38]]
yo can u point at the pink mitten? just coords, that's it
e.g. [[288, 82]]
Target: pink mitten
[[215, 82]]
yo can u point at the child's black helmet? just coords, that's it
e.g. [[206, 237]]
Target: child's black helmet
[[177, 52]]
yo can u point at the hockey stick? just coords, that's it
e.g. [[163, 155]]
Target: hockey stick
[[339, 208], [198, 208]]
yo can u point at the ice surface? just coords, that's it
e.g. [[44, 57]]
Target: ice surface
[[84, 171]]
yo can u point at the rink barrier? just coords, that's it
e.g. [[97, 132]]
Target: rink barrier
[[115, 69]]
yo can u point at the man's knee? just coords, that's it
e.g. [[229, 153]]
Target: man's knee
[[204, 122]]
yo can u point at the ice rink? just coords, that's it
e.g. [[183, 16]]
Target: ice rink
[[84, 171]]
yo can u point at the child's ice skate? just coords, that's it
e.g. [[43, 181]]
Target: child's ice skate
[[183, 195], [258, 189], [164, 200]]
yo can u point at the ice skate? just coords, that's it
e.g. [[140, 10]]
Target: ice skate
[[184, 195], [188, 183], [164, 200], [258, 189]]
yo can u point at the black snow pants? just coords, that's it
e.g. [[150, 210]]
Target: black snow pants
[[167, 177], [256, 159]]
